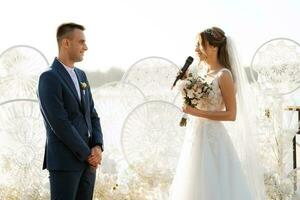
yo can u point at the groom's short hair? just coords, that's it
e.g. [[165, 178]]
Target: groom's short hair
[[64, 29]]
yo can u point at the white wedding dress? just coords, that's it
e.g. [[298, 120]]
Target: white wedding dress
[[209, 167]]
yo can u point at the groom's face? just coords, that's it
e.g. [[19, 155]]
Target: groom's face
[[77, 45]]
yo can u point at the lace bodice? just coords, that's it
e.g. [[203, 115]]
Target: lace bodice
[[215, 100]]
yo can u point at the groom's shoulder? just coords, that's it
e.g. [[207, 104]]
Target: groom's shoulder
[[48, 74]]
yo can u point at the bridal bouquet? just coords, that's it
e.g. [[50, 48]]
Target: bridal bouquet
[[194, 89]]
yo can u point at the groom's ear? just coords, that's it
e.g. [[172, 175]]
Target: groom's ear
[[65, 43]]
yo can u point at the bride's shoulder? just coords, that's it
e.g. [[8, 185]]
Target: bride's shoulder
[[224, 72], [225, 76]]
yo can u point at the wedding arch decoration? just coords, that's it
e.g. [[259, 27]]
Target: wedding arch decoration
[[20, 67], [151, 140], [277, 66], [154, 76], [22, 149], [113, 102]]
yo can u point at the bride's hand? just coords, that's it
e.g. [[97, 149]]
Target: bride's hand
[[187, 109]]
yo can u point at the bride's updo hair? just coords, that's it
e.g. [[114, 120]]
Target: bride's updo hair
[[216, 37]]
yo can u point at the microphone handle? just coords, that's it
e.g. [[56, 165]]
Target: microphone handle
[[181, 74]]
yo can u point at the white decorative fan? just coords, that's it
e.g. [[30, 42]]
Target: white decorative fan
[[113, 102], [20, 67], [277, 64], [152, 139], [154, 76], [178, 100], [22, 144]]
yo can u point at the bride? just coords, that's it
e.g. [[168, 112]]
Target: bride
[[216, 164]]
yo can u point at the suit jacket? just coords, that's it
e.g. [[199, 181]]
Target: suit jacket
[[68, 120]]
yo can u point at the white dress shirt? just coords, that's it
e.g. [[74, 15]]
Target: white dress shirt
[[74, 78]]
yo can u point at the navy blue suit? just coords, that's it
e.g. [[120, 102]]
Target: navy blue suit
[[68, 122]]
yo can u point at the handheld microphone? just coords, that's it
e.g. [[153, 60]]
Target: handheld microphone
[[183, 70]]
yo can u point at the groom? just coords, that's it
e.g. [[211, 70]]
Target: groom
[[74, 138]]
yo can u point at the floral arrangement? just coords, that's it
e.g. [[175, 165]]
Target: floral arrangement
[[278, 188], [116, 180], [83, 85], [194, 89], [119, 181], [275, 155]]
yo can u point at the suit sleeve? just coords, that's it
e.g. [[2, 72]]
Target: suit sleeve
[[97, 136], [52, 105]]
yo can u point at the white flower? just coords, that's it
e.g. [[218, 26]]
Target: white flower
[[190, 94], [197, 95], [180, 85], [199, 90], [83, 85], [194, 101]]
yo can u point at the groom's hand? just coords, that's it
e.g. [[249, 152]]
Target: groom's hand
[[94, 168], [96, 156]]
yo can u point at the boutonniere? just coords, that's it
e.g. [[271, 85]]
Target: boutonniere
[[83, 85]]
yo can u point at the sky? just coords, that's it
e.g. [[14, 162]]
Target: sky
[[120, 32]]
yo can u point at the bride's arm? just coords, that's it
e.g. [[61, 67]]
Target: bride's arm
[[227, 88]]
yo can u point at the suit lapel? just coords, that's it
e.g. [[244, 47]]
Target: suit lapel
[[82, 91], [62, 72]]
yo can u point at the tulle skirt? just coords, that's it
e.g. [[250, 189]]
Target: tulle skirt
[[209, 167]]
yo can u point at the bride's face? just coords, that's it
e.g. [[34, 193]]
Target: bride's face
[[200, 50], [205, 50]]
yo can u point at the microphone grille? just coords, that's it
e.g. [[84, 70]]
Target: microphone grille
[[190, 59]]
